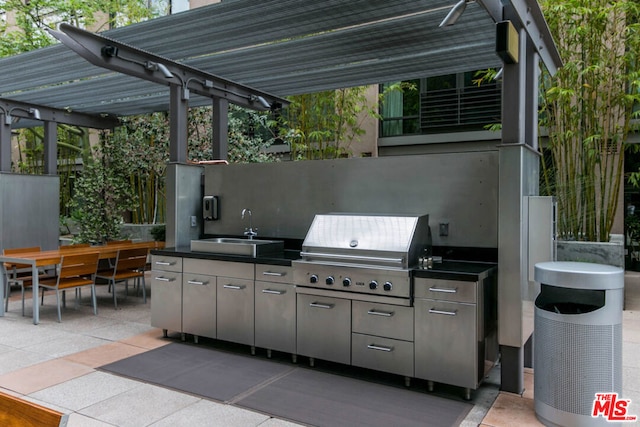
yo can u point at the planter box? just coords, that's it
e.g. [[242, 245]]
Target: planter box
[[610, 253], [137, 232]]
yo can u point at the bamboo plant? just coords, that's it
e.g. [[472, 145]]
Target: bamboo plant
[[587, 109]]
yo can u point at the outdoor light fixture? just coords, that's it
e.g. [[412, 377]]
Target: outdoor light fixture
[[156, 66], [7, 113], [111, 51], [261, 100], [455, 13]]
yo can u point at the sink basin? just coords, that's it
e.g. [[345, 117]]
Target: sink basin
[[238, 246]]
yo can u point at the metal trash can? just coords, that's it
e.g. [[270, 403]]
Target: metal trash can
[[577, 340]]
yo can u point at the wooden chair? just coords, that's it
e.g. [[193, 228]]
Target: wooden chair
[[17, 274], [76, 271], [18, 412], [129, 264]]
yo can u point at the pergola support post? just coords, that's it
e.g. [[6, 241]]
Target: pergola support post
[[220, 129], [178, 119], [5, 146], [519, 169], [50, 148]]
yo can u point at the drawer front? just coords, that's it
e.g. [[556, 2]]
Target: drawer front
[[166, 304], [385, 320], [274, 273], [166, 263], [446, 290], [199, 302], [382, 354], [446, 343], [275, 316], [210, 267], [235, 310], [324, 328]]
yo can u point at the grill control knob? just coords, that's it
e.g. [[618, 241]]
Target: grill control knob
[[346, 282], [330, 280], [313, 279], [373, 284], [387, 286]]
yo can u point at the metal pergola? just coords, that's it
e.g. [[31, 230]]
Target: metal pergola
[[274, 48]]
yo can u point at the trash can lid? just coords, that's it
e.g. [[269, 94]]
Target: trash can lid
[[579, 275]]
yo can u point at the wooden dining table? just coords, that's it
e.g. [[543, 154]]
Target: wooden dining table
[[37, 260]]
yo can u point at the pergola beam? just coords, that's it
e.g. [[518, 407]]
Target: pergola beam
[[56, 115], [114, 55]]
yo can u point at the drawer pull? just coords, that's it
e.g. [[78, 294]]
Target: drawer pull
[[379, 347], [273, 273], [165, 279], [195, 282], [274, 292], [444, 290], [165, 263], [447, 313], [380, 313], [234, 287], [318, 305]]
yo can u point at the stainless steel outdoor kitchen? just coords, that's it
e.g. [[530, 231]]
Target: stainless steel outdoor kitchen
[[330, 263]]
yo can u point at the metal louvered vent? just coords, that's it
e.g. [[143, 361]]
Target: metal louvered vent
[[471, 105]]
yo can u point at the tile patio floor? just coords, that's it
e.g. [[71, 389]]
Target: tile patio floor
[[54, 364]]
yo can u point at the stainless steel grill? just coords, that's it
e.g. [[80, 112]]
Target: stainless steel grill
[[353, 289], [369, 254]]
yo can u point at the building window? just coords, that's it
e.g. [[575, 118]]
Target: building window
[[454, 102]]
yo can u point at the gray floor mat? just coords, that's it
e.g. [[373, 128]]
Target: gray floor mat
[[199, 370], [323, 399], [289, 391]]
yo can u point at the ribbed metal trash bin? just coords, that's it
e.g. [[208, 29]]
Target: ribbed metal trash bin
[[577, 340]]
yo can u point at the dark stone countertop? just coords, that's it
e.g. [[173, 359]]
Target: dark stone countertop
[[470, 271], [447, 269]]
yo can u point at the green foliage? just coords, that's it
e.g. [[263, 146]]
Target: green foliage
[[143, 142], [32, 17], [587, 108], [323, 125], [103, 194], [159, 233], [250, 133]]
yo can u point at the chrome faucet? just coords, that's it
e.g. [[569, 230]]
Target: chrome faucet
[[249, 232]]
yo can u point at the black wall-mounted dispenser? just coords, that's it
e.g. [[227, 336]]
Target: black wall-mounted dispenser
[[210, 208]]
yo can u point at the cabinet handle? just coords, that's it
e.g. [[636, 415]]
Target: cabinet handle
[[274, 292], [164, 263], [318, 305], [448, 313], [165, 279], [234, 287], [445, 290], [380, 313], [273, 273], [379, 347], [195, 282]]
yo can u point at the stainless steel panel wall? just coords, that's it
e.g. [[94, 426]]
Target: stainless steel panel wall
[[29, 211], [184, 200], [519, 172], [459, 188]]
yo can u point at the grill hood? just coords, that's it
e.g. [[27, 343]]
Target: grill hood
[[392, 241]]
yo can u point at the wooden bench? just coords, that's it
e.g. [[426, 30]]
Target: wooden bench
[[16, 412]]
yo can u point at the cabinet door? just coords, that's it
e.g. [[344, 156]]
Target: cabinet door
[[446, 343], [235, 310], [324, 328], [166, 303], [275, 316], [199, 305]]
